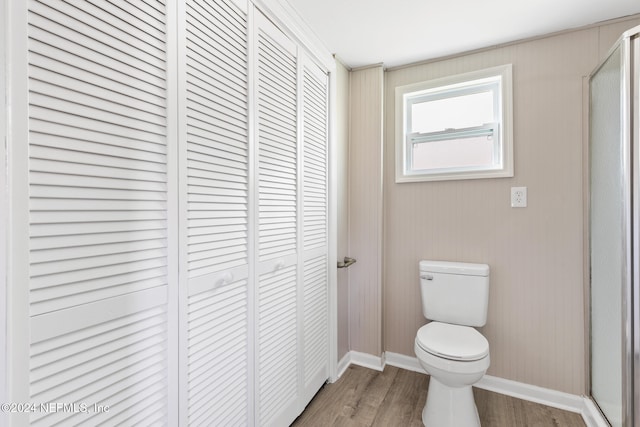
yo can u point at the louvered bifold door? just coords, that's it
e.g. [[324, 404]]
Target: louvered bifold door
[[277, 251], [217, 214], [314, 284], [98, 212]]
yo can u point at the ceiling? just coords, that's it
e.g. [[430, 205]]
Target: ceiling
[[398, 32]]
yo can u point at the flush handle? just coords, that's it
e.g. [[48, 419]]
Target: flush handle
[[427, 277]]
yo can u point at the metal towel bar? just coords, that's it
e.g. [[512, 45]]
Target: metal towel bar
[[347, 262]]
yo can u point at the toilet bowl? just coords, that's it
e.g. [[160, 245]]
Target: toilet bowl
[[456, 356], [453, 371]]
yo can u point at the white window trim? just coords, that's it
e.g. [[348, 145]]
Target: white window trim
[[505, 130]]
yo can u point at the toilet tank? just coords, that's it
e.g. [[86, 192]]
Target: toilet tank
[[455, 292]]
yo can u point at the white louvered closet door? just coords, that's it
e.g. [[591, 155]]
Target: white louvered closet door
[[217, 213], [314, 287], [277, 205], [98, 211]]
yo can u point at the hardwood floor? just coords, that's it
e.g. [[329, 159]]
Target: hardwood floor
[[395, 397]]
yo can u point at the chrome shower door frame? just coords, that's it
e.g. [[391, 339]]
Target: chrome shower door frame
[[629, 45]]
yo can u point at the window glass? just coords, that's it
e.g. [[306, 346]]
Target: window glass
[[453, 153], [456, 127], [456, 112]]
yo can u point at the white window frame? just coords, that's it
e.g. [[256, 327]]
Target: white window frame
[[499, 81]]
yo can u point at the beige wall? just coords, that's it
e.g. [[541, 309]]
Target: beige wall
[[536, 316], [342, 155], [365, 210]]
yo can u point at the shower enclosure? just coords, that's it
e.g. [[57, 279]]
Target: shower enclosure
[[614, 208]]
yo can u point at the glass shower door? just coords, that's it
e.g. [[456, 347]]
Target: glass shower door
[[614, 154], [607, 237]]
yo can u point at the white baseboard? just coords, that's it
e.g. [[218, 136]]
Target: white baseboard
[[405, 362], [582, 405], [343, 364], [367, 360], [532, 393], [556, 399], [591, 414]]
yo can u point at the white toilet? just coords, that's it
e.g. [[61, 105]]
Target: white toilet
[[455, 298]]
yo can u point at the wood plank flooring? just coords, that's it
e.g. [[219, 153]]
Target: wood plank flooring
[[395, 397]]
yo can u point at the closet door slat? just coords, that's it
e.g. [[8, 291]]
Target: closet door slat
[[315, 160], [315, 268], [212, 116], [315, 320], [277, 129], [216, 159], [278, 367], [97, 210], [277, 343]]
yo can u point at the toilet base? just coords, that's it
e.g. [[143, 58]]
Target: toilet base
[[449, 406]]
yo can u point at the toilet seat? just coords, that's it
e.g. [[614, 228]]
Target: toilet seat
[[454, 342]]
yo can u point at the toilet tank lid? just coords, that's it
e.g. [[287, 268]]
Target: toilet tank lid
[[464, 268]]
